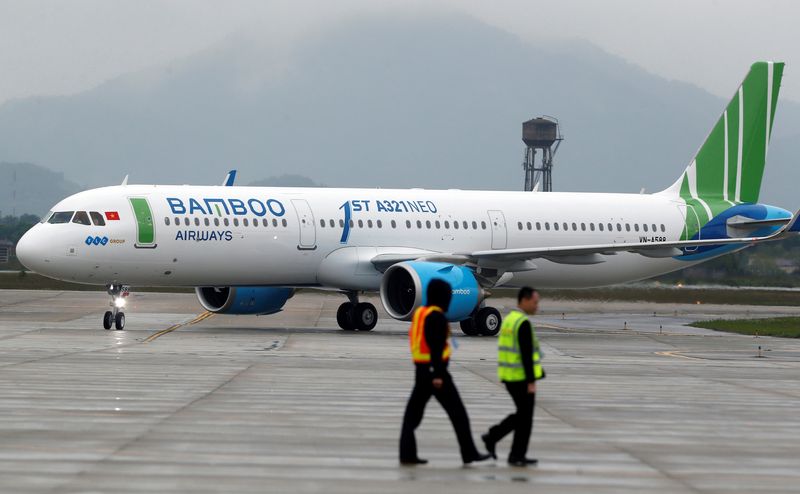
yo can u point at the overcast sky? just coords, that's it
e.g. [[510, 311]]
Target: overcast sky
[[52, 47]]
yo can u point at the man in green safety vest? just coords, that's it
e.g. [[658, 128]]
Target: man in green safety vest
[[518, 367]]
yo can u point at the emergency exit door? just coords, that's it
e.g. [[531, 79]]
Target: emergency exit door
[[497, 223], [308, 229]]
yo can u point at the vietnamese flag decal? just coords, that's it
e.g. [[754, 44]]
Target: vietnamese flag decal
[[112, 216]]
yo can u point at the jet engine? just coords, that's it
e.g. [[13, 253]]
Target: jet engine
[[404, 288], [243, 299]]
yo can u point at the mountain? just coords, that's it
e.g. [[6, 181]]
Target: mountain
[[386, 101], [26, 188]]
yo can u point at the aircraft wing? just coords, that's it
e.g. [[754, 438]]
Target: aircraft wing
[[592, 254]]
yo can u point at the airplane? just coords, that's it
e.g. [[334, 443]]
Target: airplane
[[247, 249]]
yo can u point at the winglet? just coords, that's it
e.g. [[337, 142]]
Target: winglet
[[229, 178]]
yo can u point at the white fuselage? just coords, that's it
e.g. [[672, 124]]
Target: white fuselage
[[232, 236]]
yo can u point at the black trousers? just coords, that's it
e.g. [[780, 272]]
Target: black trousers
[[520, 422], [450, 400]]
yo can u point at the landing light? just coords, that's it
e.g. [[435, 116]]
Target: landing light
[[119, 302]]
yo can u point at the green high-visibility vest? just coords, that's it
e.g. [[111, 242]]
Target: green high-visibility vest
[[509, 359]]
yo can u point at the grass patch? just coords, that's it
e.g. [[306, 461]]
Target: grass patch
[[25, 280], [784, 327]]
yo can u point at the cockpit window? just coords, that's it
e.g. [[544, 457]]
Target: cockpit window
[[97, 218], [46, 217], [60, 217], [81, 218]]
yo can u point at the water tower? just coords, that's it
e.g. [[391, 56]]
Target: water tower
[[540, 134]]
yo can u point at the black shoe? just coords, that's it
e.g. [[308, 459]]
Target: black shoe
[[413, 461], [522, 462], [477, 457], [490, 445]]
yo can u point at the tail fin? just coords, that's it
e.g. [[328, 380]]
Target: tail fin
[[728, 168]]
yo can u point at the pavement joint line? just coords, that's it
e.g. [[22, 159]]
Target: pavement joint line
[[205, 315]]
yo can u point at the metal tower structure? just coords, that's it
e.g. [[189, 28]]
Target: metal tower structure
[[542, 134]]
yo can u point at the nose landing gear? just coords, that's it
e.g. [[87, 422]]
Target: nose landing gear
[[115, 317]]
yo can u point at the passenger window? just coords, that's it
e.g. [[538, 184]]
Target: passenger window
[[394, 224], [245, 222], [438, 225], [627, 227], [583, 227], [186, 221], [474, 225], [341, 223], [519, 225], [566, 227], [483, 225], [206, 222], [455, 225], [547, 226], [574, 227], [555, 226], [216, 221], [654, 228], [619, 227], [275, 222], [369, 223], [419, 224], [645, 227], [408, 224], [361, 223], [332, 223], [663, 228], [284, 222], [610, 227], [236, 222], [600, 226], [166, 221], [538, 226], [428, 224], [528, 224], [636, 226], [378, 222], [197, 222], [81, 218], [446, 225], [591, 227], [465, 225], [97, 218]]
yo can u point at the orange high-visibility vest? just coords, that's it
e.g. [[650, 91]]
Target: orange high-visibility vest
[[420, 352]]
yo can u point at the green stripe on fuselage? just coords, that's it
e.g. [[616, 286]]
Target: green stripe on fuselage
[[144, 221]]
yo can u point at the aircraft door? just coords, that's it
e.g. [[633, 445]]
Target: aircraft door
[[497, 222], [145, 229], [308, 230]]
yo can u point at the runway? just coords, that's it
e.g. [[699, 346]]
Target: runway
[[180, 401]]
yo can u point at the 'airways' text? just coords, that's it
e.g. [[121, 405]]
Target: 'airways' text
[[203, 236]]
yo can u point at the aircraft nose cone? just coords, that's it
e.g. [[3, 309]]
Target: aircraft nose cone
[[29, 252]]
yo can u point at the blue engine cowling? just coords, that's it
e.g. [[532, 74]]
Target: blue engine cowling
[[243, 299], [404, 287]]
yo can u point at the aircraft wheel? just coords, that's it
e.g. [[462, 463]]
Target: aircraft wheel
[[119, 321], [108, 320], [344, 316], [487, 321], [468, 327], [365, 316]]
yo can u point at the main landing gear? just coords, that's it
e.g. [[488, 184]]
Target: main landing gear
[[484, 321], [115, 317], [352, 315]]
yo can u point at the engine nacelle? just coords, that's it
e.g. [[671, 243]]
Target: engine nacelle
[[404, 287], [243, 299]]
